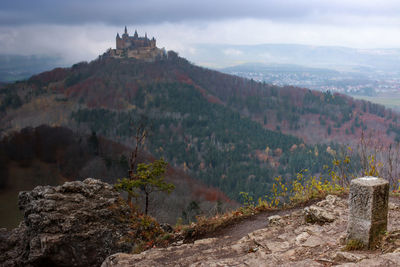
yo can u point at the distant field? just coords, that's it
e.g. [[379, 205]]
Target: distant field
[[390, 102], [23, 179], [9, 212]]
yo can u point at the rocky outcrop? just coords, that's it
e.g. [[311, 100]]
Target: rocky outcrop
[[314, 214], [286, 240], [274, 220], [81, 223], [322, 212], [76, 224]]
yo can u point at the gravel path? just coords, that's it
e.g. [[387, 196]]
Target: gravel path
[[288, 242]]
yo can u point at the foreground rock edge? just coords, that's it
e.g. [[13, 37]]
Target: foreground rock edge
[[78, 223], [288, 241]]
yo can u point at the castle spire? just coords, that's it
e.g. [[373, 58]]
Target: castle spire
[[118, 35], [136, 34], [126, 31]]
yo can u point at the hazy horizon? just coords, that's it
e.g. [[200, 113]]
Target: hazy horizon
[[81, 30]]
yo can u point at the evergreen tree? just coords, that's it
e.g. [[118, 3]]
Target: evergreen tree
[[149, 178]]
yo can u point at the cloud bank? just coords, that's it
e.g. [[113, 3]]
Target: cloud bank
[[81, 30]]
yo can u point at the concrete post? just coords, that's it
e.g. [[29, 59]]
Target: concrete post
[[368, 202]]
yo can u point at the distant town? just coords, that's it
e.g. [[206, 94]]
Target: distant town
[[325, 80]]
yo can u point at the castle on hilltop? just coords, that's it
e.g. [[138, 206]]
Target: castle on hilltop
[[136, 47], [134, 42]]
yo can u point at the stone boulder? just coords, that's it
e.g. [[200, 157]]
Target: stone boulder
[[79, 223], [274, 220], [322, 212]]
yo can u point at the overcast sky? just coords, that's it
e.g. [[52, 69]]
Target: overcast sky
[[82, 29]]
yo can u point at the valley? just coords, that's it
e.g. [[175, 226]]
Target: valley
[[227, 132], [201, 133]]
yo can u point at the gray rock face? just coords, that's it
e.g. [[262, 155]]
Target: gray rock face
[[314, 214], [287, 240], [76, 224], [368, 201], [274, 220], [292, 242], [342, 256]]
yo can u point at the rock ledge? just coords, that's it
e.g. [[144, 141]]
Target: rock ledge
[[79, 223]]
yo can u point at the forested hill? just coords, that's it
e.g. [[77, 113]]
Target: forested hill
[[314, 116], [227, 131], [52, 155]]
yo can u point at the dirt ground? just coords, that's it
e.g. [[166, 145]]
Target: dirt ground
[[285, 239]]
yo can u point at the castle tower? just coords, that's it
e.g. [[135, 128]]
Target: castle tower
[[136, 36], [118, 42], [125, 36], [125, 39]]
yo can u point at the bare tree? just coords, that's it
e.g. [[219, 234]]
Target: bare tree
[[141, 127]]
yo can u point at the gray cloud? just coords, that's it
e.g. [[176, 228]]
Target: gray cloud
[[120, 12], [82, 29]]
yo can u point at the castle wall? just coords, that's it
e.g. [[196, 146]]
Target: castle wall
[[120, 43], [145, 53], [136, 47]]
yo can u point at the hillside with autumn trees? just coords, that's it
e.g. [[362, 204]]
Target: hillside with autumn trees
[[228, 132], [47, 155]]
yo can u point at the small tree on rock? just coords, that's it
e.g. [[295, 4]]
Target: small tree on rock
[[141, 127], [149, 178]]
